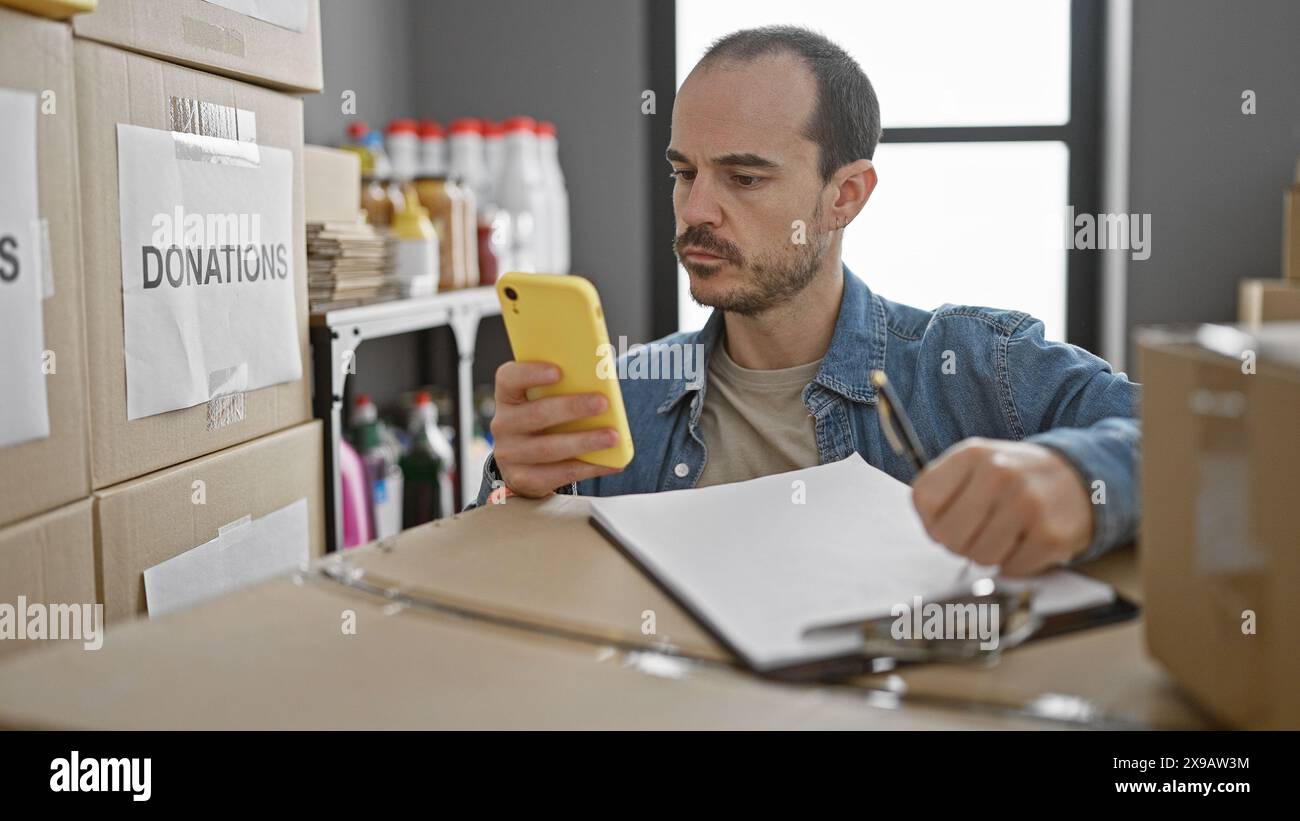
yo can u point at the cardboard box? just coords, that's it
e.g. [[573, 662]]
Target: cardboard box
[[47, 559], [1268, 300], [1291, 233], [1220, 521], [277, 657], [144, 522], [273, 44], [42, 474], [332, 180], [541, 563], [120, 87]]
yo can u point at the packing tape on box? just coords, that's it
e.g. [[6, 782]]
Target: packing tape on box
[[222, 531], [203, 119], [226, 388], [213, 37], [195, 148], [214, 133]]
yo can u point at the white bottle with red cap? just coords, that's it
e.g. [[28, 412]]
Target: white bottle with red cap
[[433, 150], [523, 196], [465, 157], [404, 149], [557, 197], [494, 155]]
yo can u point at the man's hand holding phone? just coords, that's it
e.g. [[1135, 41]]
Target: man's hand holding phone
[[534, 463]]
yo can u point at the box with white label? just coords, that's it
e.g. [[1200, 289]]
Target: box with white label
[[43, 413], [1220, 523], [213, 525], [269, 42], [196, 299]]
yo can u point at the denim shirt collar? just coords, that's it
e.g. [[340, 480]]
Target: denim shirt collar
[[857, 347]]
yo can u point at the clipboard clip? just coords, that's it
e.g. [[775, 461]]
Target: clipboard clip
[[882, 637]]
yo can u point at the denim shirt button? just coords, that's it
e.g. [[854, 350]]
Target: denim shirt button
[[681, 470]]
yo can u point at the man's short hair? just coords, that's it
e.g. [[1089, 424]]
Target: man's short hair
[[845, 121]]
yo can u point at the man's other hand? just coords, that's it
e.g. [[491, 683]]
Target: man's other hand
[[1017, 505]]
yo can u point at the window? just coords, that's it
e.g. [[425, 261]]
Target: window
[[989, 115]]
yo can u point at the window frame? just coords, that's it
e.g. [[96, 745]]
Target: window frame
[[1081, 136]]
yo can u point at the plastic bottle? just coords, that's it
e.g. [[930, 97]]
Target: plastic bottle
[[379, 196], [467, 165], [404, 150], [382, 473], [494, 156], [357, 528], [382, 166], [427, 465], [557, 197], [357, 131], [442, 199], [433, 149], [523, 197], [465, 159], [413, 248]]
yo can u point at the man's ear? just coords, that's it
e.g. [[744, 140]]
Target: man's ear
[[852, 186]]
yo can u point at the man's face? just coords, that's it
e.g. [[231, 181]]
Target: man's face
[[745, 173]]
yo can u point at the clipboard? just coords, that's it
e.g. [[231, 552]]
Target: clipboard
[[848, 665]]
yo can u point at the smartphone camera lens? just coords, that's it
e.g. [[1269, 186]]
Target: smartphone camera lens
[[511, 294]]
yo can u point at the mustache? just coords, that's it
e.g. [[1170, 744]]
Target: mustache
[[700, 237]]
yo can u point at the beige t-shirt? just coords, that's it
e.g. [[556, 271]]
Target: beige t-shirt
[[754, 423]]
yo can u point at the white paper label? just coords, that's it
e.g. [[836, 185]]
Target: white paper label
[[245, 552], [24, 415], [289, 14], [207, 266]]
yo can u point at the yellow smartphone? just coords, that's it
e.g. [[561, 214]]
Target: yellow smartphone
[[558, 319]]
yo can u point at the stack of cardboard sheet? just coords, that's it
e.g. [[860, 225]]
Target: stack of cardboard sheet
[[346, 261]]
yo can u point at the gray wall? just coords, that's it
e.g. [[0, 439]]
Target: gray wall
[[581, 64], [1211, 177], [367, 46]]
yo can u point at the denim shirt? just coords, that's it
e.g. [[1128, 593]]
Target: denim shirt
[[959, 371]]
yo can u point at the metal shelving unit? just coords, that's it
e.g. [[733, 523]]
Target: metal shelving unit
[[335, 335]]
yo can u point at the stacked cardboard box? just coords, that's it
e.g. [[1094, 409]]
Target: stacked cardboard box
[[1277, 300], [1220, 525], [205, 469], [45, 548], [177, 415]]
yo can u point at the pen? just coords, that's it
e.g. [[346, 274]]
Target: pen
[[900, 433], [898, 428]]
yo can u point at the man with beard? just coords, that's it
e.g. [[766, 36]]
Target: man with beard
[[772, 138]]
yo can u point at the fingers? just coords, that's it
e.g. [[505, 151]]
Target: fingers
[[513, 379], [532, 462], [1000, 536], [1024, 560], [937, 485], [553, 447], [540, 480], [541, 414], [957, 525]]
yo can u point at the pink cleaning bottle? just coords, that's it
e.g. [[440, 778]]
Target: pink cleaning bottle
[[356, 513]]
